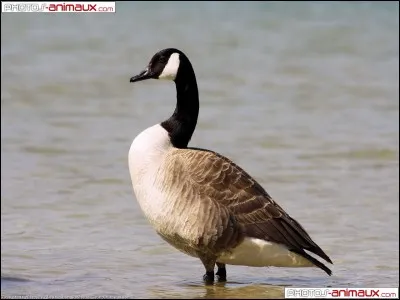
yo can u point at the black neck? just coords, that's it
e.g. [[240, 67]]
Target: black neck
[[182, 123]]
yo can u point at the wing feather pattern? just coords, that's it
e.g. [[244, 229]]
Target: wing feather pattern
[[252, 208]]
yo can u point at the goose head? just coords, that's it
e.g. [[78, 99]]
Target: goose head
[[165, 64]]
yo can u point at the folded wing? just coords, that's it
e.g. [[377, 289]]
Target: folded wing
[[221, 180]]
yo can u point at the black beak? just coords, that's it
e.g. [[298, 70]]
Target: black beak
[[145, 74]]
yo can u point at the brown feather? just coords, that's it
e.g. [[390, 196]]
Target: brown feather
[[245, 208]]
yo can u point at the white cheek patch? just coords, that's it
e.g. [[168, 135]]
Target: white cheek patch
[[171, 68]]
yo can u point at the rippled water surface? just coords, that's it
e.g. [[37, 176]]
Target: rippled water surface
[[304, 96]]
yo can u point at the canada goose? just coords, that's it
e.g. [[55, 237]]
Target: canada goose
[[201, 202]]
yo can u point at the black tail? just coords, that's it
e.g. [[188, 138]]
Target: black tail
[[315, 261]]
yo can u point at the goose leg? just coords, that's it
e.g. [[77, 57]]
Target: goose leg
[[209, 264], [221, 273]]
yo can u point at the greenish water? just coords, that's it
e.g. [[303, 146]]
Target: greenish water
[[304, 96]]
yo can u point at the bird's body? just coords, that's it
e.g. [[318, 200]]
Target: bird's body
[[201, 202]]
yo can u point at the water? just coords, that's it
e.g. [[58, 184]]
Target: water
[[304, 96]]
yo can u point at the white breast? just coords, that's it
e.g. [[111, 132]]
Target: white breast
[[146, 157]]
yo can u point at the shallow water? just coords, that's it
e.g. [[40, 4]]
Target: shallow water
[[304, 96]]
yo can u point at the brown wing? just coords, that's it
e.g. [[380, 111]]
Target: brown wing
[[251, 206]]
